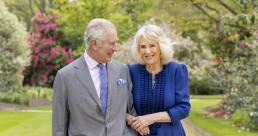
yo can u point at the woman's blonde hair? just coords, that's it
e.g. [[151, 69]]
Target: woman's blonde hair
[[156, 34]]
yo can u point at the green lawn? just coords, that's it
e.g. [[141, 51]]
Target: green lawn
[[47, 107], [26, 123], [214, 126], [39, 123]]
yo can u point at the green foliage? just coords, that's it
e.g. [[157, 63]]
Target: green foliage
[[6, 99], [75, 15], [32, 92], [242, 118], [23, 95], [14, 98], [123, 23], [15, 52], [26, 9], [125, 14], [205, 86], [235, 43]]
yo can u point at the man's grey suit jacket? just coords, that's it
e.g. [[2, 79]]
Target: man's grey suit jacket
[[76, 105]]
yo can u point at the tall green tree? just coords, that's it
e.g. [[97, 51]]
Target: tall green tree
[[15, 52]]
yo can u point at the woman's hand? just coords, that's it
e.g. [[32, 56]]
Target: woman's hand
[[141, 122], [144, 131]]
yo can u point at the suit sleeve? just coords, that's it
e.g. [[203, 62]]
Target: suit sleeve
[[182, 99], [60, 114], [128, 131], [130, 107]]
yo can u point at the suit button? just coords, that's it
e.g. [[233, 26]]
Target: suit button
[[98, 109], [108, 120]]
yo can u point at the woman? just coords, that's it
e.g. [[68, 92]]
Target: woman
[[160, 86]]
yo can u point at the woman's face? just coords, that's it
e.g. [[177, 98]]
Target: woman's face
[[149, 51]]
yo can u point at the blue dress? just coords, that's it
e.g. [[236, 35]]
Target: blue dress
[[169, 93]]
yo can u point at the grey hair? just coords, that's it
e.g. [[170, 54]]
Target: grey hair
[[156, 34], [97, 29]]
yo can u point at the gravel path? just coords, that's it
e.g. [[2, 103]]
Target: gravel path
[[192, 130]]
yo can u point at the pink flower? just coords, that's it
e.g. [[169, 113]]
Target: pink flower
[[51, 26], [64, 51], [47, 55], [68, 60], [36, 49], [38, 29], [44, 75], [35, 35], [53, 52], [35, 61], [34, 57], [70, 51], [50, 42], [32, 79]]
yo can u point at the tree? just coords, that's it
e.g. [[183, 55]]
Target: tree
[[26, 9], [15, 52], [125, 14], [47, 54]]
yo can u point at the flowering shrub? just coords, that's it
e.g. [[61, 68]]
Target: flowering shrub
[[234, 41], [14, 51], [47, 55]]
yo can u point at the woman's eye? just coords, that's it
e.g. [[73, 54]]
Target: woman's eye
[[152, 45], [142, 46]]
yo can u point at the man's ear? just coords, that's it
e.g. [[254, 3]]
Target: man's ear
[[93, 43]]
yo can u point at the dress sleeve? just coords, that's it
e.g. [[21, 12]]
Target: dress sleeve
[[182, 102]]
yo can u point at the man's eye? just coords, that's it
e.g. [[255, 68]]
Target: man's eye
[[113, 43]]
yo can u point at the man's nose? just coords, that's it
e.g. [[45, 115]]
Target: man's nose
[[115, 48]]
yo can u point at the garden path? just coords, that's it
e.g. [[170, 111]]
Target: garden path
[[192, 130]]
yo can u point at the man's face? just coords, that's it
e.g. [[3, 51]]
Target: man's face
[[107, 47]]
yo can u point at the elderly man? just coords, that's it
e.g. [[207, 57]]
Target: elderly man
[[93, 94]]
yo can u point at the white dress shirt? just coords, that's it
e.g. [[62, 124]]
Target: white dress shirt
[[94, 71]]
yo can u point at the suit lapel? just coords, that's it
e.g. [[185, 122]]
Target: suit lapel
[[112, 77], [85, 78]]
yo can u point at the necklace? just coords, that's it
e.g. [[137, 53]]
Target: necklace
[[153, 75], [153, 81]]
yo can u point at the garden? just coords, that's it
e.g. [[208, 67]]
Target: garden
[[216, 39]]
